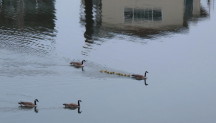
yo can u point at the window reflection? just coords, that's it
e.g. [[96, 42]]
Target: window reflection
[[131, 14]]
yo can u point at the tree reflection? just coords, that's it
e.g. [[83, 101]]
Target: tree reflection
[[27, 24], [89, 21]]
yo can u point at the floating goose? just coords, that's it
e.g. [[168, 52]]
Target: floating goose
[[139, 77], [72, 105], [78, 64], [29, 104]]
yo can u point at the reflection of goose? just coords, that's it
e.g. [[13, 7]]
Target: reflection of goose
[[72, 105], [145, 82], [78, 111], [139, 77], [78, 64], [29, 104], [28, 108]]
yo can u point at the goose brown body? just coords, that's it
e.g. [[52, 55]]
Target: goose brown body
[[78, 64], [28, 104], [139, 77], [72, 105]]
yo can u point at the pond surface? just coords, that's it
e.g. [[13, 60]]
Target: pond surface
[[174, 40]]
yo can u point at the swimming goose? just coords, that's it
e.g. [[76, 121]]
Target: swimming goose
[[28, 104], [78, 64], [72, 105], [139, 77]]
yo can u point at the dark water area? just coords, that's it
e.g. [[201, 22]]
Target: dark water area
[[174, 40]]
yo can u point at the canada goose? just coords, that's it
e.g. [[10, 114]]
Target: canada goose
[[139, 77], [78, 64], [72, 105], [28, 104]]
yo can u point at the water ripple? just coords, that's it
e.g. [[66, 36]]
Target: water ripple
[[28, 26]]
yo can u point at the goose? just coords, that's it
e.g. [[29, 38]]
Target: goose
[[139, 77], [112, 72], [78, 64], [29, 104], [72, 105]]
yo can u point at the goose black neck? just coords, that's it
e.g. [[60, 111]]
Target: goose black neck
[[35, 102], [78, 102], [145, 73], [82, 61]]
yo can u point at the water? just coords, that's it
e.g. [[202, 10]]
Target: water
[[172, 39]]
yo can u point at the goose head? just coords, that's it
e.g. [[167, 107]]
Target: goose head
[[145, 73], [83, 61], [35, 101]]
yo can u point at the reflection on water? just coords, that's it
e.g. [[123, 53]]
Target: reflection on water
[[145, 82], [35, 109], [144, 18], [91, 18], [177, 64], [28, 108], [78, 109], [27, 25], [20, 108]]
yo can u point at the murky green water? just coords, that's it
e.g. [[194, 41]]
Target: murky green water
[[174, 40]]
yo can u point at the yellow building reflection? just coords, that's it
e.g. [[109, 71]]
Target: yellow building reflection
[[140, 17], [148, 13]]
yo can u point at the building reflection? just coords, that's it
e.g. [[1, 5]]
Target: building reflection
[[27, 23], [143, 18]]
